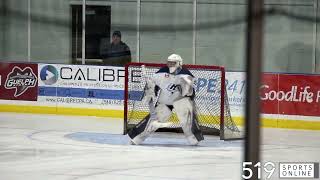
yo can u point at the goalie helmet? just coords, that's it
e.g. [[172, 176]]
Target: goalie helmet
[[174, 62]]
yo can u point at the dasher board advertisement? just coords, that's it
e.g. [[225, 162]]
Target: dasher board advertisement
[[18, 81], [290, 94], [81, 86]]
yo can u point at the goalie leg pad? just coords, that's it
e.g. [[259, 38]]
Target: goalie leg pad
[[150, 124], [163, 112], [138, 129], [186, 114]]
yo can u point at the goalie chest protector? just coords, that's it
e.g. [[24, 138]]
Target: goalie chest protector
[[170, 84]]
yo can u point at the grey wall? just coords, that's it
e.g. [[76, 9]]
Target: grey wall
[[14, 31], [50, 31], [159, 34], [290, 44], [221, 43], [2, 11]]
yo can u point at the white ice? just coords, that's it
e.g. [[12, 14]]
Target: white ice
[[50, 147]]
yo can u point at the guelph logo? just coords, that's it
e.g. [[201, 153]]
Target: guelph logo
[[20, 80]]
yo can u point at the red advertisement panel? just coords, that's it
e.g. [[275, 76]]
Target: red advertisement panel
[[301, 95], [268, 86], [18, 81], [291, 94]]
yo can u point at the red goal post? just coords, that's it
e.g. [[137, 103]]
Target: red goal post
[[212, 107]]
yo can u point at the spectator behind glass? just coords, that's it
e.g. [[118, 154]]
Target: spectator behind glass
[[117, 53]]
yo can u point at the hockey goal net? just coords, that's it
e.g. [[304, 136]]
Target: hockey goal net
[[212, 107]]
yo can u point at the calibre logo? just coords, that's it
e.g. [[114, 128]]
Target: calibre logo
[[20, 80], [77, 73], [49, 75]]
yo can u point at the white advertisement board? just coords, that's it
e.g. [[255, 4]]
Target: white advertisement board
[[81, 86], [236, 86]]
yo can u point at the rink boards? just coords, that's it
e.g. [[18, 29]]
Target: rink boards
[[288, 100]]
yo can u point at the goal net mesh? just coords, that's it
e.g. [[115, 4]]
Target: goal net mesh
[[212, 107]]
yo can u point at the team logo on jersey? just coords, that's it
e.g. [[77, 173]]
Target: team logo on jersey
[[173, 87], [166, 75], [20, 80]]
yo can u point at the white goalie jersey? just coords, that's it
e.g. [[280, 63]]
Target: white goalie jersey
[[169, 87]]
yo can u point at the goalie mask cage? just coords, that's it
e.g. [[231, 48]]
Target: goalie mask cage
[[212, 107]]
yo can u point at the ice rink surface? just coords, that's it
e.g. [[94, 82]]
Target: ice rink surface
[[50, 147]]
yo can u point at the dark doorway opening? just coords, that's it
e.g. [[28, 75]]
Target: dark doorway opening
[[98, 22]]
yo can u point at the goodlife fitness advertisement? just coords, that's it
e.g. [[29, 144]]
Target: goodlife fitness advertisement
[[83, 86], [290, 94], [18, 81], [284, 94]]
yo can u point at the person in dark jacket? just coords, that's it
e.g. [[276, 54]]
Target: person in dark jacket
[[117, 53]]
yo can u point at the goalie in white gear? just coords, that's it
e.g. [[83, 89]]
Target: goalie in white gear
[[170, 88]]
